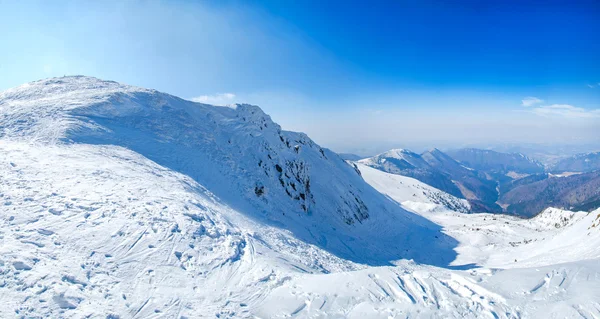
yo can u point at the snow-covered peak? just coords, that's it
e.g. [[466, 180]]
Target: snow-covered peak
[[398, 153], [79, 90], [67, 87], [39, 109], [396, 159]]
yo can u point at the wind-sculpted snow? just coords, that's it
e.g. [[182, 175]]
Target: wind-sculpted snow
[[123, 202], [411, 291]]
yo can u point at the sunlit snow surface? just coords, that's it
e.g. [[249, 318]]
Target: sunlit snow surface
[[101, 216]]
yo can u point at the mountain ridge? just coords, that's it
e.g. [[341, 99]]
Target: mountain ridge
[[237, 152], [496, 162]]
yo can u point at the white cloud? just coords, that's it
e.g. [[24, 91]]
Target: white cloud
[[565, 111], [530, 101], [216, 99], [591, 86]]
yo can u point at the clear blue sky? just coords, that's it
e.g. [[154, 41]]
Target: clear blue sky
[[355, 76]]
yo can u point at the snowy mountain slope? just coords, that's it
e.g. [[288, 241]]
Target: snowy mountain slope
[[405, 189], [407, 163], [500, 241], [122, 202], [238, 153]]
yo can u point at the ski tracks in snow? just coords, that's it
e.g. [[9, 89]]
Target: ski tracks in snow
[[81, 240]]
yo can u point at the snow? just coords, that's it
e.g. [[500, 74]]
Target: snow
[[124, 202]]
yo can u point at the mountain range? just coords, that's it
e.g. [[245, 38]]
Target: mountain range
[[496, 182], [496, 162]]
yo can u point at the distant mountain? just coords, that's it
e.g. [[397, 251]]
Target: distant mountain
[[575, 192], [506, 186], [496, 162], [496, 182], [548, 154], [475, 186], [410, 164], [439, 170], [405, 189], [579, 163], [351, 157], [398, 159]]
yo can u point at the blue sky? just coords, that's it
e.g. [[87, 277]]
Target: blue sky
[[357, 77]]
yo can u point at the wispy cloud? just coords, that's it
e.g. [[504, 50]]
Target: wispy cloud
[[593, 85], [565, 111], [530, 101], [216, 99]]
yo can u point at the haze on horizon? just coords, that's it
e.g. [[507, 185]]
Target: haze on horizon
[[360, 79]]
